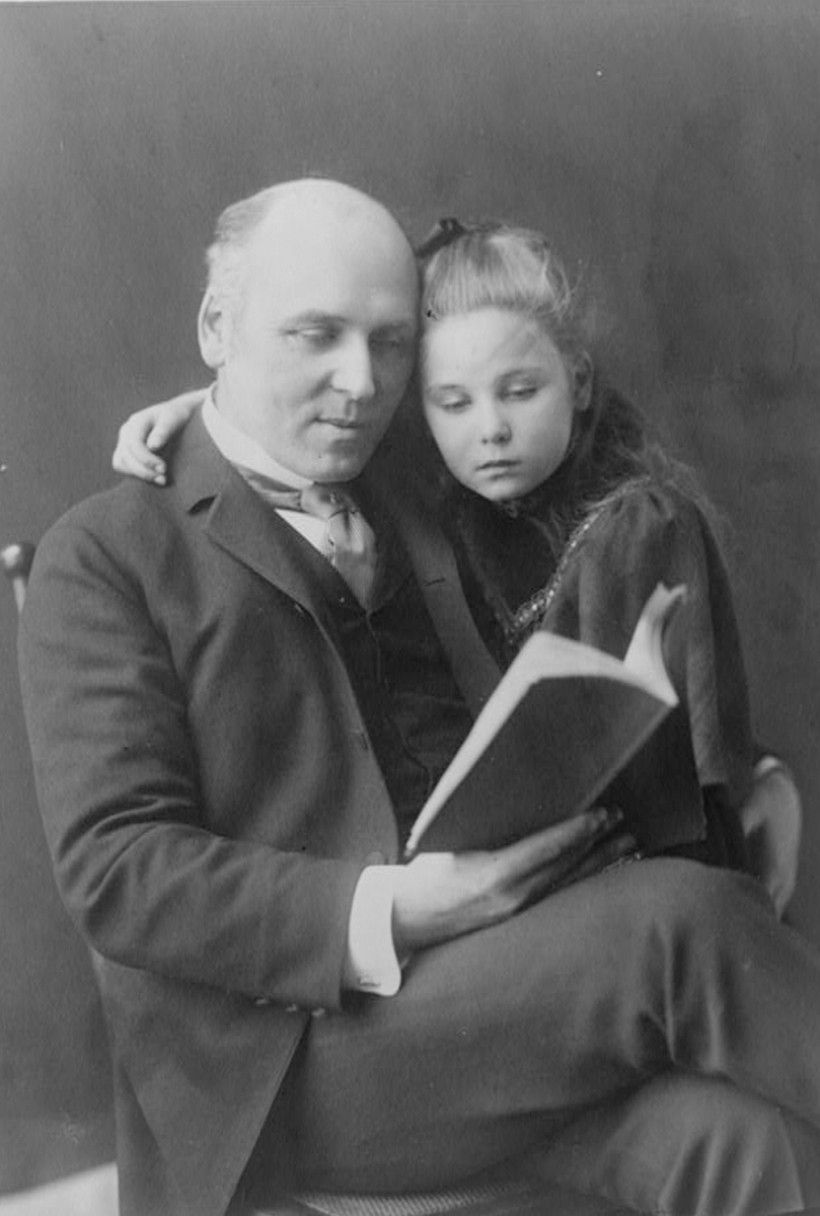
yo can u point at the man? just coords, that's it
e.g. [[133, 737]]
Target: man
[[236, 709]]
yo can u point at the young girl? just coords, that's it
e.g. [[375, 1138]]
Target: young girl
[[562, 514]]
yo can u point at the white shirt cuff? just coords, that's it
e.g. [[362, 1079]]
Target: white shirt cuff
[[371, 964]]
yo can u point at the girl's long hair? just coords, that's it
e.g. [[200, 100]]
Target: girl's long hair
[[495, 265]]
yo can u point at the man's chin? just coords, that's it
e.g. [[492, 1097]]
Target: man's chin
[[345, 461]]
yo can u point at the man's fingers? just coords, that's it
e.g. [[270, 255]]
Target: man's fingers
[[609, 852], [573, 868], [441, 895], [570, 838]]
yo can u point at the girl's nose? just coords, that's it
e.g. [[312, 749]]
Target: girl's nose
[[494, 427]]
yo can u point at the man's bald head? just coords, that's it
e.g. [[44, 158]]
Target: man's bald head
[[294, 212], [309, 322]]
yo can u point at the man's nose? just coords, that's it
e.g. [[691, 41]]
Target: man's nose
[[494, 426], [353, 374]]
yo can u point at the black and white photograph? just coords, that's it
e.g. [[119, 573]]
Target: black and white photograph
[[410, 531]]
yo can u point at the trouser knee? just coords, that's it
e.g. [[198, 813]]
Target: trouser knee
[[681, 896], [687, 1146]]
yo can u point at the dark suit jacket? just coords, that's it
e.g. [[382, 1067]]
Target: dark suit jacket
[[210, 797]]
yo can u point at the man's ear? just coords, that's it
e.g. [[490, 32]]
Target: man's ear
[[213, 330], [582, 377]]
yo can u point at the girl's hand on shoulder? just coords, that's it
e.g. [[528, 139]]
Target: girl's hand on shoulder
[[146, 432]]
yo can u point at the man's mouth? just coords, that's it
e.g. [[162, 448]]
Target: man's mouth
[[491, 465], [343, 423]]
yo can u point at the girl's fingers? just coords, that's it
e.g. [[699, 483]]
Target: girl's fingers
[[147, 431], [138, 462], [186, 403], [162, 428]]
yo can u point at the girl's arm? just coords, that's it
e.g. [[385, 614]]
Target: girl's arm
[[144, 433], [655, 535]]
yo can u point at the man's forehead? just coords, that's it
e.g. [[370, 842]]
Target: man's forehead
[[331, 267]]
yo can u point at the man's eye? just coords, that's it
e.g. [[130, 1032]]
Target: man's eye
[[390, 342], [315, 335]]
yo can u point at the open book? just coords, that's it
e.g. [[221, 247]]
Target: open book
[[569, 726]]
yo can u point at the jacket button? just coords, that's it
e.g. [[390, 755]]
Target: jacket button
[[376, 858], [291, 1009], [318, 1013], [261, 1001]]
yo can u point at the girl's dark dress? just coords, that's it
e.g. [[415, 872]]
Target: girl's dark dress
[[641, 533]]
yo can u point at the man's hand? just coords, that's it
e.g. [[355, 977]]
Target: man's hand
[[442, 895], [143, 434]]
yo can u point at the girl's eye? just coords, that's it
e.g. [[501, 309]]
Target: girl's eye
[[451, 405], [519, 392]]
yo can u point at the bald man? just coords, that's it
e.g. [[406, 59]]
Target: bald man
[[237, 702]]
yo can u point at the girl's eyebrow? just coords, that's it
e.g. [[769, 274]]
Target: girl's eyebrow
[[535, 372], [525, 369], [445, 388]]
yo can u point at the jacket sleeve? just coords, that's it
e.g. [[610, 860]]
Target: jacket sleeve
[[652, 536], [115, 764]]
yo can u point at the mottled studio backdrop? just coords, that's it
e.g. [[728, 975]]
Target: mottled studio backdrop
[[671, 149]]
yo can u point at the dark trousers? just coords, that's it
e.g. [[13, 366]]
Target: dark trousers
[[652, 1034]]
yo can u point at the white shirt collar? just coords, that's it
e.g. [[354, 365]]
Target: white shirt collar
[[238, 448]]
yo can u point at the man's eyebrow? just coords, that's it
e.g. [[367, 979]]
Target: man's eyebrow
[[312, 317]]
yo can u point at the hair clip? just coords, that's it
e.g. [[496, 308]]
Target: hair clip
[[444, 233]]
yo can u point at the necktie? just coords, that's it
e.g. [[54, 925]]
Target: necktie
[[349, 543]]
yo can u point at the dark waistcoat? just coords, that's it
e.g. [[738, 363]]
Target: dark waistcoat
[[414, 712]]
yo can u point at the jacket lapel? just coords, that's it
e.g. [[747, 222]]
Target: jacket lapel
[[240, 522], [434, 566], [246, 527]]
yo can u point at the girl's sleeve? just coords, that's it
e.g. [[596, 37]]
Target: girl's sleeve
[[654, 536]]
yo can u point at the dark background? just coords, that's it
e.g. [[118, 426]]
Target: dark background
[[669, 148]]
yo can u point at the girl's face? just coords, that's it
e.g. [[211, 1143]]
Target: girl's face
[[498, 399]]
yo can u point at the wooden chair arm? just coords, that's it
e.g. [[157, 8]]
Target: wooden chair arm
[[16, 562]]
